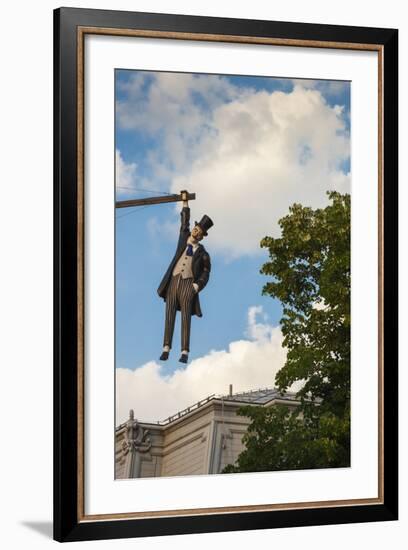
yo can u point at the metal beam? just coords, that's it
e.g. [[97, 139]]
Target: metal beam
[[153, 200]]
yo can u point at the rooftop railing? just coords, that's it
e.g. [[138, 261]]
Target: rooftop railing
[[261, 392]]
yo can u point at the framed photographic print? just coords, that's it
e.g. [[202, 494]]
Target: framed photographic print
[[225, 274]]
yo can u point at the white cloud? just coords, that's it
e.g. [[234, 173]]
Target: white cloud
[[125, 174], [165, 105], [320, 305], [260, 332], [247, 154], [269, 151], [246, 364]]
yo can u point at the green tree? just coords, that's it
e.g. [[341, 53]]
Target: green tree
[[309, 270]]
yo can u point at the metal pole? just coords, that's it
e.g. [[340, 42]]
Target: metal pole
[[153, 200]]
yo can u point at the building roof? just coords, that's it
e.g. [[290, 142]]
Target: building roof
[[261, 396]]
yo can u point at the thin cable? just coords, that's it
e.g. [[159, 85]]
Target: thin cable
[[133, 211], [144, 189]]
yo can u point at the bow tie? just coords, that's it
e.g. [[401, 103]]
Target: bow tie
[[189, 250]]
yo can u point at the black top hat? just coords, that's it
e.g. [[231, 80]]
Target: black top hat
[[205, 223]]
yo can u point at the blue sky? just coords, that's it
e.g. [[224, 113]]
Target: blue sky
[[249, 147]]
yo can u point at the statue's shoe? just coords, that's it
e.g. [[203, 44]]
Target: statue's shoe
[[164, 356]]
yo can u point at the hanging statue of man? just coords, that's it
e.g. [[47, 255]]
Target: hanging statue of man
[[186, 276]]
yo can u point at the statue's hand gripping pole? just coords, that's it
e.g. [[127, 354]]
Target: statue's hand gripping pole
[[184, 197]]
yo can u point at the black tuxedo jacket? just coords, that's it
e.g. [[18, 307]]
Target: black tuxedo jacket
[[201, 264]]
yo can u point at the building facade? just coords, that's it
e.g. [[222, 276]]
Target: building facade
[[201, 439]]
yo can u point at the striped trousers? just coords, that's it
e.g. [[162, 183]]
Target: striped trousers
[[180, 293]]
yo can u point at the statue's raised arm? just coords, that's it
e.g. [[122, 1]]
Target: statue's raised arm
[[185, 214]]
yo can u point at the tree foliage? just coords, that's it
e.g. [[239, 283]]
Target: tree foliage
[[309, 271]]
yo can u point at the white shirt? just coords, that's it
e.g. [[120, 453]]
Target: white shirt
[[195, 245]]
